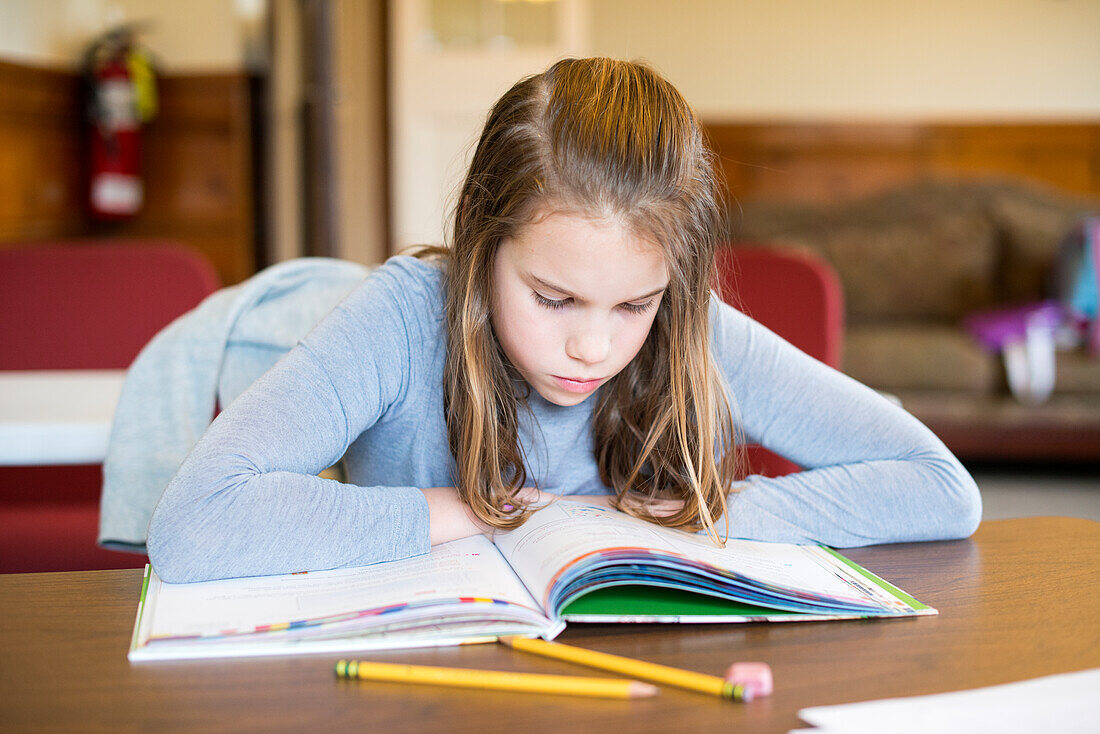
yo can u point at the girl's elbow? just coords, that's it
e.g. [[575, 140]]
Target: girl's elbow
[[970, 509], [171, 555], [169, 564], [963, 506], [189, 530], [176, 545]]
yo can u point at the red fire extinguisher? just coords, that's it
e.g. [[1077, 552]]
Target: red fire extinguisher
[[122, 97]]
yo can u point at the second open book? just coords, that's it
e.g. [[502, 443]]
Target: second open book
[[569, 562]]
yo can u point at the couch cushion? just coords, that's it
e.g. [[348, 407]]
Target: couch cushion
[[919, 357], [929, 251], [1077, 372], [937, 268], [1033, 221]]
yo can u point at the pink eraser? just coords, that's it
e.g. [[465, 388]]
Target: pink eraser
[[755, 677]]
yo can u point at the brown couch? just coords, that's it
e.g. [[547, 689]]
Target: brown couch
[[914, 261]]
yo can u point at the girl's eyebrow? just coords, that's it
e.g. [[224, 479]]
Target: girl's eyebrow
[[569, 294]]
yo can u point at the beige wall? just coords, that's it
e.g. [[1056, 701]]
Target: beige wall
[[731, 58], [185, 35], [359, 118], [283, 183], [865, 58]]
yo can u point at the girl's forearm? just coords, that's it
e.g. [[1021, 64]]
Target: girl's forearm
[[449, 518]]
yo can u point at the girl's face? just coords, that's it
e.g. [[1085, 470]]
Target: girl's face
[[573, 301]]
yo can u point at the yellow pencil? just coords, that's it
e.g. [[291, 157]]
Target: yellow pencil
[[499, 680], [634, 668]]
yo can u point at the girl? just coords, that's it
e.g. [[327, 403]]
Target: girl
[[567, 343]]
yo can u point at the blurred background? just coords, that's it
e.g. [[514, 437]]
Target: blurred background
[[341, 126], [938, 155]]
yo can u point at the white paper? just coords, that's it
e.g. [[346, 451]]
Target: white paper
[[1058, 704]]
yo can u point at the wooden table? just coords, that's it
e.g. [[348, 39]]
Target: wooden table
[[57, 416], [1020, 599]]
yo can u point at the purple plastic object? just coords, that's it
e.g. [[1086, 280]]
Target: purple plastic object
[[994, 329]]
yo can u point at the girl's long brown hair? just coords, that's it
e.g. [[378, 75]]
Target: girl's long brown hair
[[609, 139]]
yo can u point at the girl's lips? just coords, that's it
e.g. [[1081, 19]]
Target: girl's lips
[[578, 386]]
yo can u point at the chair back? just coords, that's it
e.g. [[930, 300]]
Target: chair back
[[93, 305], [80, 305], [798, 296]]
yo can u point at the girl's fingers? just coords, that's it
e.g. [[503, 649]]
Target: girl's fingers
[[664, 508], [527, 495], [659, 507], [655, 507], [532, 495]]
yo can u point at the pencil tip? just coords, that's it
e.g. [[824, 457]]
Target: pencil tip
[[505, 640], [643, 690]]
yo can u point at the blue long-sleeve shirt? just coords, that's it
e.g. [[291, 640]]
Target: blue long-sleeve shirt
[[366, 386]]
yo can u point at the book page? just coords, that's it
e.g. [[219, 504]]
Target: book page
[[467, 568], [564, 533]]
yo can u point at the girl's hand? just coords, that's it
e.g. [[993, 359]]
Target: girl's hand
[[534, 495], [600, 500], [656, 507], [662, 507]]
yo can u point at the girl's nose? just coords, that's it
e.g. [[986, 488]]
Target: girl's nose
[[589, 345]]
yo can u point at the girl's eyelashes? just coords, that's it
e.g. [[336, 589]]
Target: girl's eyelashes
[[638, 308], [550, 302], [557, 304]]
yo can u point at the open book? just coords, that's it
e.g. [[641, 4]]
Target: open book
[[568, 562]]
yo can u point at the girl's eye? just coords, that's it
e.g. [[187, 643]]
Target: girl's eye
[[638, 308], [550, 302], [557, 304]]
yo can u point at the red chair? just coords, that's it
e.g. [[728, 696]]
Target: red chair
[[80, 305], [796, 295]]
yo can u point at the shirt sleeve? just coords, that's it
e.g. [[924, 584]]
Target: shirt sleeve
[[247, 500], [873, 472]]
